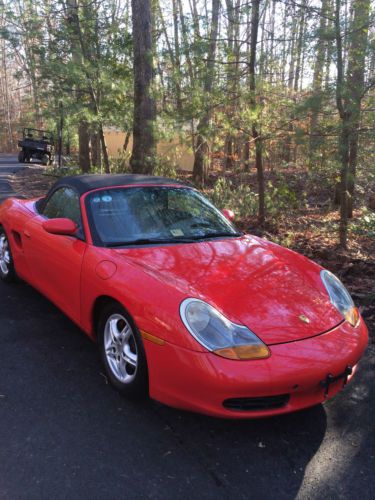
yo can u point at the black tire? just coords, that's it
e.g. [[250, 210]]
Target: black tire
[[7, 270], [21, 157], [136, 386]]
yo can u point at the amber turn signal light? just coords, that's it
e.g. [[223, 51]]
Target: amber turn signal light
[[244, 352], [352, 316]]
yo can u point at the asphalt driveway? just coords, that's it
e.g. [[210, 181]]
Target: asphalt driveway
[[8, 165], [65, 433]]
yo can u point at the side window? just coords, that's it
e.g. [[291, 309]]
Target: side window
[[64, 203]]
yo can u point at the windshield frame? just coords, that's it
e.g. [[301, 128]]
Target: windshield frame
[[97, 241]]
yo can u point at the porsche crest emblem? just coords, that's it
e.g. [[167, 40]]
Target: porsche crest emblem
[[304, 318]]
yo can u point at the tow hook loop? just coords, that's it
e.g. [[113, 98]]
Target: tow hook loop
[[330, 379]]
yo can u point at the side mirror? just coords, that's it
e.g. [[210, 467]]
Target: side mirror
[[60, 226], [228, 214]]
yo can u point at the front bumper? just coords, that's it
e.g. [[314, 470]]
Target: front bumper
[[202, 381]]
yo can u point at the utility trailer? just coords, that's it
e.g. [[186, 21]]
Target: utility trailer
[[36, 144]]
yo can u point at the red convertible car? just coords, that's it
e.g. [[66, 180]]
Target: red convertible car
[[183, 305]]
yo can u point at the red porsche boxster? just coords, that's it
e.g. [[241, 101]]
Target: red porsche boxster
[[183, 305]]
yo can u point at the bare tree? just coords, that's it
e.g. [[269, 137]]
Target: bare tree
[[321, 49], [253, 103], [143, 154], [202, 148], [349, 94]]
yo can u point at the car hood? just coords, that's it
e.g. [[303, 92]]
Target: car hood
[[275, 292]]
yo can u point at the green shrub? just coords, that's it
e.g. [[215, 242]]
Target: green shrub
[[164, 167], [279, 197], [241, 199], [120, 164], [365, 224], [244, 201]]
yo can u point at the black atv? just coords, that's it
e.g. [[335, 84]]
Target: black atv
[[36, 144]]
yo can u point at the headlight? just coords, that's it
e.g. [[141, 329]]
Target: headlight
[[340, 297], [218, 334]]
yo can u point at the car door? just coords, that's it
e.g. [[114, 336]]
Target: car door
[[55, 261]]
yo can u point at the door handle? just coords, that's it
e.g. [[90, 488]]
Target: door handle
[[27, 234]]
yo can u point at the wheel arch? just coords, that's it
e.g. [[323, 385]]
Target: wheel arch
[[98, 305], [140, 381], [10, 275], [6, 230]]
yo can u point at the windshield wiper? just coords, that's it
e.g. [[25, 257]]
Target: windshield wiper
[[219, 235], [148, 241]]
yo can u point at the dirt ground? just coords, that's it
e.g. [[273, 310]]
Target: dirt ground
[[32, 181]]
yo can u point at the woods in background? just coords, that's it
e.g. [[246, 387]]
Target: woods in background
[[264, 84]]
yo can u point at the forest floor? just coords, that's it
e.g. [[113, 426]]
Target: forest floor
[[311, 231]]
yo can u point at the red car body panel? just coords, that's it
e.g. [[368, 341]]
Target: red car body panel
[[250, 280], [55, 268], [202, 381], [262, 287]]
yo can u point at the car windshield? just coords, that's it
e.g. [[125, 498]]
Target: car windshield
[[154, 215]]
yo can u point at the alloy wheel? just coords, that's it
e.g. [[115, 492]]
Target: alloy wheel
[[120, 348], [4, 254]]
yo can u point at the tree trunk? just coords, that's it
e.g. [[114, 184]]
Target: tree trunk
[[84, 146], [96, 159], [355, 82], [298, 72], [232, 78], [330, 43], [104, 150], [144, 149], [294, 75], [344, 179], [344, 136], [126, 142], [246, 155], [201, 159], [318, 79], [353, 155], [6, 100], [272, 42], [292, 50], [255, 124], [177, 55], [229, 161], [185, 39], [300, 42], [348, 98], [195, 17], [90, 54]]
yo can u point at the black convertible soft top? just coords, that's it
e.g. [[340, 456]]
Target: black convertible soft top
[[87, 182]]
